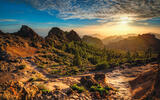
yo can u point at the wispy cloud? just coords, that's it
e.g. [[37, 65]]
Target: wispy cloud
[[7, 20], [99, 9]]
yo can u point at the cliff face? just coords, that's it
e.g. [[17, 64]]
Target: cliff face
[[153, 94], [146, 86]]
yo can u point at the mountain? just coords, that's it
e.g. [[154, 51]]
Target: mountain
[[73, 36], [93, 41], [63, 66], [112, 39], [59, 37], [140, 42]]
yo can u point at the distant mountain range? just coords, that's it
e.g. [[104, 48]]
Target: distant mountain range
[[96, 42], [59, 37], [140, 42]]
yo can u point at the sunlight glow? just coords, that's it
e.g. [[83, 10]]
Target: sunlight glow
[[125, 20]]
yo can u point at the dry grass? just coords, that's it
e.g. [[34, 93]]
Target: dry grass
[[21, 51]]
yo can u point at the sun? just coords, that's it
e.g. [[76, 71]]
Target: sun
[[125, 20]]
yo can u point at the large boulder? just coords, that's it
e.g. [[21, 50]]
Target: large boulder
[[88, 81], [100, 77]]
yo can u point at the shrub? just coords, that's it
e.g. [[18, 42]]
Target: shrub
[[100, 89], [102, 65], [32, 79], [94, 60], [77, 61], [79, 89], [43, 88], [41, 66], [22, 67]]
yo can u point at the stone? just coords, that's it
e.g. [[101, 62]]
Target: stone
[[100, 77], [88, 81]]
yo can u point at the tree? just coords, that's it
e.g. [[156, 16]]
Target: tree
[[128, 56], [63, 47], [158, 58], [148, 53], [77, 61]]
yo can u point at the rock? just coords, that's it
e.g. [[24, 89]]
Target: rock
[[88, 81], [96, 95], [73, 36], [100, 77]]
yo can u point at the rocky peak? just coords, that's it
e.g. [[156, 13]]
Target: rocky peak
[[27, 32], [2, 33], [55, 30], [147, 36], [73, 36], [56, 33]]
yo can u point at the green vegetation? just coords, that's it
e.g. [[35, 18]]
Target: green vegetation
[[74, 58], [77, 60], [22, 67], [100, 89], [41, 66], [79, 89], [78, 57], [43, 88], [102, 65]]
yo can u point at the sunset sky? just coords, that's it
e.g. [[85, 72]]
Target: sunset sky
[[102, 17]]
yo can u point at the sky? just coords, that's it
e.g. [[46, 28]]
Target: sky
[[91, 17]]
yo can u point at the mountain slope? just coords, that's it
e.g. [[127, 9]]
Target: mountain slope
[[59, 37], [141, 42], [93, 41]]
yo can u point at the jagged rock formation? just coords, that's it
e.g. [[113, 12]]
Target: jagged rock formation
[[146, 86], [73, 36], [93, 41], [58, 37], [153, 94]]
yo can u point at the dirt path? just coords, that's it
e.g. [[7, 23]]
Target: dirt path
[[118, 78]]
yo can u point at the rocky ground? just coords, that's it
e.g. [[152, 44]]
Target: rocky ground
[[33, 82], [31, 68]]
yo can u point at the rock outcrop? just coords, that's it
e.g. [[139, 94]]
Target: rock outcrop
[[73, 36], [59, 37]]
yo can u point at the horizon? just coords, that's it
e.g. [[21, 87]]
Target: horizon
[[89, 17]]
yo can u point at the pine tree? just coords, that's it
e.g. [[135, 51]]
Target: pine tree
[[77, 60]]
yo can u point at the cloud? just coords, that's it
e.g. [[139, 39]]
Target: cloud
[[99, 9], [7, 20]]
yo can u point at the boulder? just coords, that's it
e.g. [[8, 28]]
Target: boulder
[[100, 77], [88, 81]]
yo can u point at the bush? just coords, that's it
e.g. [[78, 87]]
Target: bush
[[77, 61], [100, 89], [43, 88], [94, 60], [79, 89], [41, 66], [22, 67], [101, 66]]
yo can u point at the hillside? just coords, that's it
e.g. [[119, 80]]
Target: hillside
[[64, 66], [141, 42], [93, 41]]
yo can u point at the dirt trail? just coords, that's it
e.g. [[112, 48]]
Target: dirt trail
[[118, 78]]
